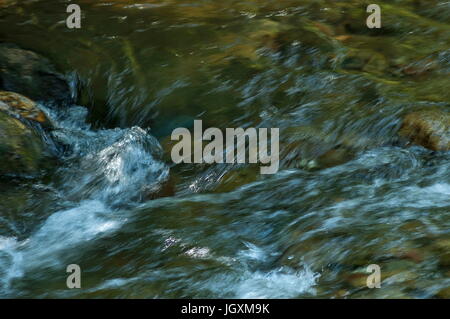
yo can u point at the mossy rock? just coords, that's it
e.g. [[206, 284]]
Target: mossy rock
[[429, 128], [22, 150]]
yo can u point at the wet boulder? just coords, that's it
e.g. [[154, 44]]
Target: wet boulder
[[30, 74], [21, 107], [22, 147], [429, 128]]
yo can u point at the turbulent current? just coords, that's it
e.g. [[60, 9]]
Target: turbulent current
[[349, 192]]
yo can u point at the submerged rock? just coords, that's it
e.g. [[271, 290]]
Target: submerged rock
[[308, 148], [5, 3], [444, 293], [365, 60], [430, 129], [30, 74]]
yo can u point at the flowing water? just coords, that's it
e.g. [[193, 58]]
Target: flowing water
[[349, 192]]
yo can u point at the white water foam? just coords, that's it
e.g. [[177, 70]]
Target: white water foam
[[62, 230], [278, 283], [104, 168]]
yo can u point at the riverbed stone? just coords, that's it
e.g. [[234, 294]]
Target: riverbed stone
[[442, 244], [5, 3], [32, 75], [365, 60], [236, 178], [429, 128], [444, 293], [357, 280], [444, 260]]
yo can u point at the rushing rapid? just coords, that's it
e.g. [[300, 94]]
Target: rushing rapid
[[350, 191]]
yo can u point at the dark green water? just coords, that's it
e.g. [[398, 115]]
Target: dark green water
[[312, 69]]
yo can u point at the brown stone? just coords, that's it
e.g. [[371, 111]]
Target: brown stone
[[357, 280], [20, 106], [444, 293], [430, 129], [21, 148], [444, 260]]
